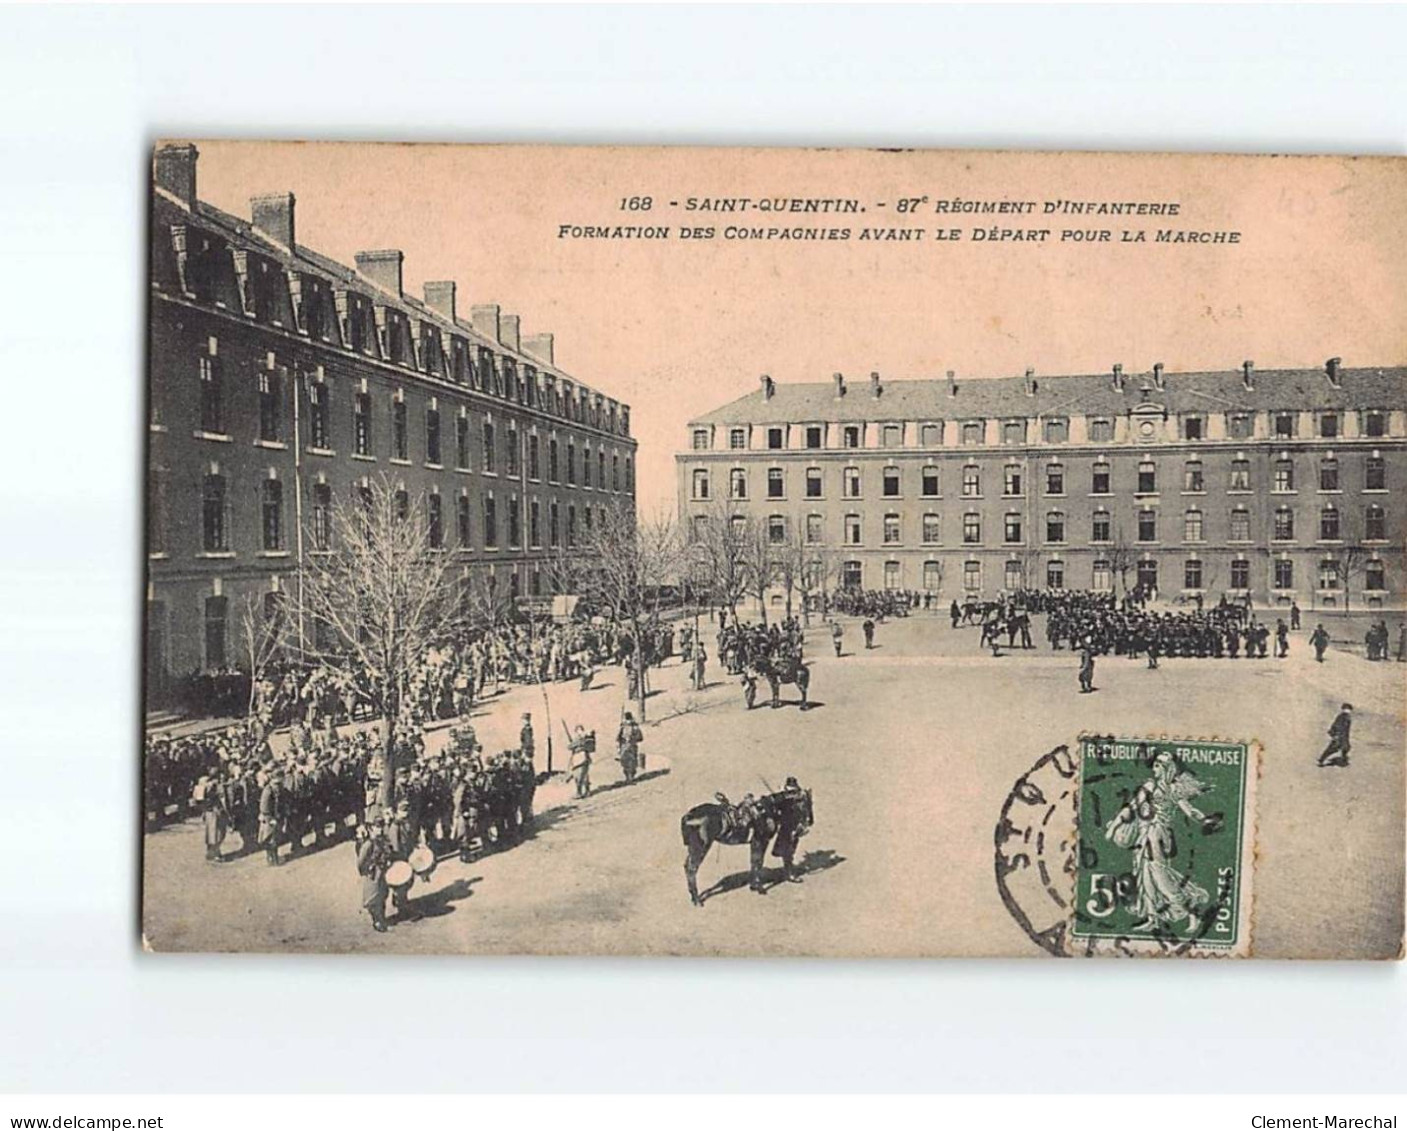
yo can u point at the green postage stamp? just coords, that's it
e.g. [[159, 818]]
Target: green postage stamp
[[1165, 850]]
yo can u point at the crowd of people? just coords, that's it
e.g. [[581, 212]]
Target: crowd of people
[[876, 604], [455, 677]]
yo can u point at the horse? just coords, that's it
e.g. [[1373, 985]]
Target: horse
[[785, 817], [777, 671]]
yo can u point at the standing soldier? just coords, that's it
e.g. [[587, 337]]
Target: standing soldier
[[373, 858], [1336, 753], [401, 835], [525, 739], [582, 745], [1294, 614], [1320, 639], [789, 836], [1282, 639], [210, 795], [868, 629], [837, 638], [700, 667], [1086, 670], [628, 739], [273, 807]]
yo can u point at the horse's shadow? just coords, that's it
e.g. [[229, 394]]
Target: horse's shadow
[[822, 860]]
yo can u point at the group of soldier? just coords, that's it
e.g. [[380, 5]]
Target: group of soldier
[[875, 604], [455, 676]]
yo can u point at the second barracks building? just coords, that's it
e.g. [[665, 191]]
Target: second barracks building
[[281, 380], [1243, 482]]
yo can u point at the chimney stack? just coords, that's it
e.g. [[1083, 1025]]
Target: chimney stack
[[1157, 375], [1247, 370], [272, 214], [540, 346], [173, 169], [1029, 384], [383, 268], [508, 332], [768, 387], [1331, 370], [952, 383], [874, 385], [484, 319], [839, 385], [439, 297], [1119, 376]]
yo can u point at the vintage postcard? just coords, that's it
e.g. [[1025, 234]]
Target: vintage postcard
[[668, 551]]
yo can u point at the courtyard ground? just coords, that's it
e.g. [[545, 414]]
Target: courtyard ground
[[910, 750]]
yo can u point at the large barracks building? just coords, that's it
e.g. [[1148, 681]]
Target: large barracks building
[[1282, 484], [281, 381]]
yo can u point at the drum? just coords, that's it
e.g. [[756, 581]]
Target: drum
[[399, 873], [422, 861]]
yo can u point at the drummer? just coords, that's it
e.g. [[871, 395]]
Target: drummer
[[401, 835]]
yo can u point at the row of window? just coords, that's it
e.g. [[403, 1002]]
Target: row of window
[[1328, 425], [1196, 575], [217, 518], [216, 615], [1056, 527], [394, 340], [1013, 479], [273, 429]]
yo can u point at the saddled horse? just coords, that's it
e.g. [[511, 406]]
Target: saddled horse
[[777, 670], [784, 817]]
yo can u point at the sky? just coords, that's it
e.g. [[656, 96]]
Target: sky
[[678, 327]]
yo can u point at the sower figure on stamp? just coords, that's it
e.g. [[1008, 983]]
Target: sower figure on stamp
[[1336, 753]]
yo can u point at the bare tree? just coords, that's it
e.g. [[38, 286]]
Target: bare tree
[[759, 561], [632, 562], [372, 608], [1349, 563], [717, 557], [790, 559], [1122, 557], [1029, 560], [262, 637]]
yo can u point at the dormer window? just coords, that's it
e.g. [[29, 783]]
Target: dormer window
[[1374, 423], [701, 439], [737, 439], [776, 439], [1194, 428], [1101, 430]]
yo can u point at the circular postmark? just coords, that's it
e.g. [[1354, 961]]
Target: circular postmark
[[1041, 854]]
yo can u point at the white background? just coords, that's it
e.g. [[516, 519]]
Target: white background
[[83, 93]]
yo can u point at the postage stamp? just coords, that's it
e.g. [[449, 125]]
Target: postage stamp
[[1133, 846], [1166, 843]]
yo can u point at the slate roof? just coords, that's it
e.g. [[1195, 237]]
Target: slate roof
[[241, 233], [1082, 394]]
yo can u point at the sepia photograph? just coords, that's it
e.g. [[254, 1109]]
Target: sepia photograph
[[774, 552]]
